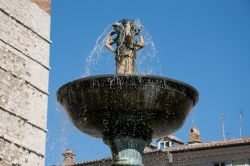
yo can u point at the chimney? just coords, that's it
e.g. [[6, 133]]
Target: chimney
[[194, 136], [69, 158]]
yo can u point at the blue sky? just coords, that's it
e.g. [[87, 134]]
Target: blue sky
[[203, 43]]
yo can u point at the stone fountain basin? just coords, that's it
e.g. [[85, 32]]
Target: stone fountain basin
[[127, 105]]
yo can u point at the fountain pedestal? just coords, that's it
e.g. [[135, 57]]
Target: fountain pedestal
[[127, 141], [127, 151]]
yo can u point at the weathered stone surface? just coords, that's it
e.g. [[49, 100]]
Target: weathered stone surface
[[21, 132], [21, 98], [24, 40], [43, 4], [23, 67], [29, 14], [24, 64], [12, 155]]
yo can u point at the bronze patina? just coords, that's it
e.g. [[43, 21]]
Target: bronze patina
[[125, 32]]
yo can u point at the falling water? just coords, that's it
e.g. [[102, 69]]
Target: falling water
[[65, 129], [101, 61], [97, 54], [63, 135], [147, 59]]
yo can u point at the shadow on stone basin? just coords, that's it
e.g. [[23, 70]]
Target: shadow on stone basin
[[127, 105]]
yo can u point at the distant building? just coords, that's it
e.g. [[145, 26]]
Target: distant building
[[171, 151], [168, 141]]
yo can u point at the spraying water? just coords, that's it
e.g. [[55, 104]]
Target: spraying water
[[147, 61], [94, 57]]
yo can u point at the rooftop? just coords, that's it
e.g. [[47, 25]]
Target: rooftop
[[210, 145], [184, 148]]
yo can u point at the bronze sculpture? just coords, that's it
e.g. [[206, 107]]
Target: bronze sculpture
[[126, 32]]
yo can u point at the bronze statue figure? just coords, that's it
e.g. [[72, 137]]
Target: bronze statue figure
[[125, 32]]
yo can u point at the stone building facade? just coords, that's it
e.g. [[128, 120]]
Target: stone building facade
[[234, 152], [24, 72]]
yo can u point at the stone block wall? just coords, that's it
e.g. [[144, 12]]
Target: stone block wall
[[24, 72]]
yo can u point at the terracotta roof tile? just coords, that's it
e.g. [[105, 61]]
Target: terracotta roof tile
[[183, 148], [210, 145]]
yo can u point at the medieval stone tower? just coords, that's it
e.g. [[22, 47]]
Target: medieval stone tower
[[24, 71]]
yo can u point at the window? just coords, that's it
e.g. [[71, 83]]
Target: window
[[164, 144], [238, 162], [220, 164], [167, 144]]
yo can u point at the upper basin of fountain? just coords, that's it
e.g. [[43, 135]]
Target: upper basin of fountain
[[140, 106]]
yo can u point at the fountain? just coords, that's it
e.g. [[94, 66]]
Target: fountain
[[124, 109]]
